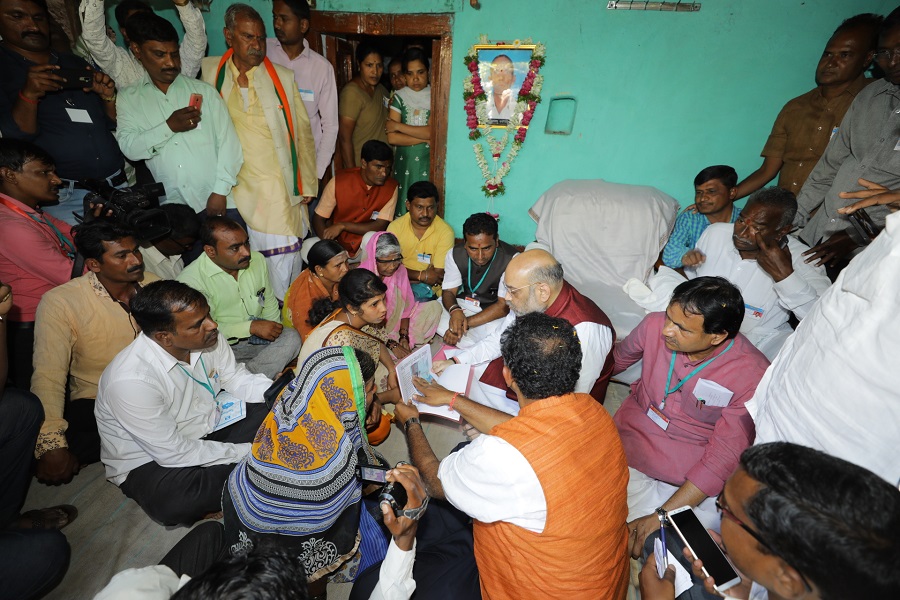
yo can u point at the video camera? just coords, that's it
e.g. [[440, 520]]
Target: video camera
[[393, 492], [135, 207]]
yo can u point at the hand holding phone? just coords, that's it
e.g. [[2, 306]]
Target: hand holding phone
[[196, 101], [703, 548]]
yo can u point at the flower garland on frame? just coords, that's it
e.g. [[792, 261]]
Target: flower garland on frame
[[516, 128]]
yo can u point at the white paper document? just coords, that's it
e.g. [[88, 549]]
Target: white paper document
[[682, 577], [457, 378], [711, 393]]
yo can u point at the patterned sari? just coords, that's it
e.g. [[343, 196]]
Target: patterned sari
[[298, 489]]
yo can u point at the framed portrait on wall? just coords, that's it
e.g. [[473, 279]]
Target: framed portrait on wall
[[502, 69]]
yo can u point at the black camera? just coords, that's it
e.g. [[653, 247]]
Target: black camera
[[393, 492], [135, 207]]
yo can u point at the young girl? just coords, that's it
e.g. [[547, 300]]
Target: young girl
[[408, 127]]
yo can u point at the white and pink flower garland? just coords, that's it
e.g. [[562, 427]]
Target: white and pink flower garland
[[517, 126]]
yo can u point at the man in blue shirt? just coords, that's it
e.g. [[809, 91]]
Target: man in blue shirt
[[714, 194]]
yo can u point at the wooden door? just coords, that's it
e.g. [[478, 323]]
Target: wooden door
[[339, 51]]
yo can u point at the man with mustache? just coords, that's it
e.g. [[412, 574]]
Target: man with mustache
[[119, 63], [194, 150], [236, 283], [79, 328], [73, 125], [175, 410], [758, 256], [36, 250], [714, 194], [312, 72], [278, 178]]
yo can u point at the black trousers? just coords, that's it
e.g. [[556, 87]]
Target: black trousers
[[182, 496], [81, 434], [445, 566], [20, 349], [32, 562]]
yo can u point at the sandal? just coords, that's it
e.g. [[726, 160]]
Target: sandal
[[55, 517]]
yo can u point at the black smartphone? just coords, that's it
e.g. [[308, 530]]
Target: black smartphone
[[703, 547], [76, 79], [864, 225]]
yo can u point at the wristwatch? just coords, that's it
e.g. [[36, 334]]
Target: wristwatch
[[411, 421], [662, 515]]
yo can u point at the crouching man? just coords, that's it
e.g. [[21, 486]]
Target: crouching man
[[174, 410]]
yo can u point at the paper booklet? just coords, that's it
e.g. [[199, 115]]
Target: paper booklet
[[457, 378]]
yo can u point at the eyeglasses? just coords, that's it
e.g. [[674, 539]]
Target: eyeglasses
[[887, 56], [514, 291], [726, 512], [389, 261]]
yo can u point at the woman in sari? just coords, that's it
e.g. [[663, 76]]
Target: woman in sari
[[408, 323], [408, 126], [362, 106], [327, 266], [353, 321], [298, 489]]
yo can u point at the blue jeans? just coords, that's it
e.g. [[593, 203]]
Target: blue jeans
[[71, 199]]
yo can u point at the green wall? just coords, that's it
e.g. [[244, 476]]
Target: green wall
[[660, 95]]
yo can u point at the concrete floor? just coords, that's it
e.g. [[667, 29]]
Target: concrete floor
[[112, 533]]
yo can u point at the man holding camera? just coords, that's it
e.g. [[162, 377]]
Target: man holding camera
[[36, 250], [189, 144], [547, 486], [80, 326], [43, 99]]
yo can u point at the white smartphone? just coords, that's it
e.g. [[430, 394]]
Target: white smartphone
[[703, 547]]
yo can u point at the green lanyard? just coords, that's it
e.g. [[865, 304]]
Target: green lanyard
[[670, 390], [208, 385], [480, 281]]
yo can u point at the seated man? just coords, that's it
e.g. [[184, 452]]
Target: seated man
[[556, 501], [169, 436], [358, 200], [163, 257], [684, 423], [235, 281], [780, 523], [758, 256], [424, 238], [475, 305], [714, 195], [535, 284], [80, 327], [36, 250]]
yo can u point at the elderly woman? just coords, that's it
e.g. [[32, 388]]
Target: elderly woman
[[408, 323], [327, 266], [298, 489]]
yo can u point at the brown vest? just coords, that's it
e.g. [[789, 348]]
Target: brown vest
[[355, 203], [574, 448]]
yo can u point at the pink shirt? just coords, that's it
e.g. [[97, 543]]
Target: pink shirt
[[314, 77], [702, 443], [31, 258]]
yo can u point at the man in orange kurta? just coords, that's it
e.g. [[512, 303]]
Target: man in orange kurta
[[547, 488]]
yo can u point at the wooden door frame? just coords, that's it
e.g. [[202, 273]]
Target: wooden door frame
[[430, 25]]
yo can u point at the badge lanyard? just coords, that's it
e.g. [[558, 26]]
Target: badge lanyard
[[65, 245], [208, 385], [669, 390], [480, 281]]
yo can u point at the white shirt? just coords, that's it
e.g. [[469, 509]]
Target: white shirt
[[596, 343], [119, 63], [768, 305], [453, 279], [159, 582], [507, 112], [165, 267], [149, 409], [491, 481], [834, 385]]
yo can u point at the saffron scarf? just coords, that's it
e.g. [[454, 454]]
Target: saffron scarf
[[284, 106]]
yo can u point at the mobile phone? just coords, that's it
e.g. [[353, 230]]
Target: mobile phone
[[373, 473], [76, 79], [703, 547], [864, 225], [196, 101]]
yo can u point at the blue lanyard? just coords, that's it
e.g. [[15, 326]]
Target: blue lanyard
[[480, 281], [208, 385], [672, 390]]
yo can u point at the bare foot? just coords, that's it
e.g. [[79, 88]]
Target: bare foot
[[55, 517]]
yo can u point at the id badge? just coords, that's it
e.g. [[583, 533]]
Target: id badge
[[754, 313], [658, 417], [229, 410], [306, 95], [374, 215], [471, 304], [423, 258]]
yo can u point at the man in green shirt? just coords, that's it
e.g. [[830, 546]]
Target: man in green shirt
[[189, 144], [235, 281]]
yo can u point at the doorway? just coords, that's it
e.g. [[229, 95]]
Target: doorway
[[334, 35]]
